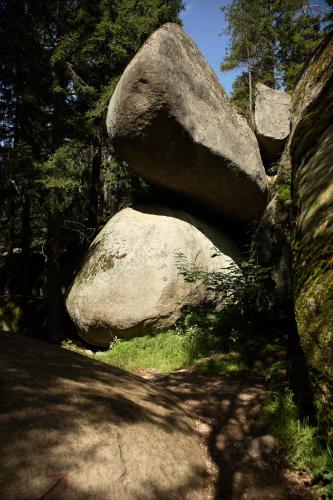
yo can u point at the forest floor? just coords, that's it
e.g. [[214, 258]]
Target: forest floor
[[243, 460]]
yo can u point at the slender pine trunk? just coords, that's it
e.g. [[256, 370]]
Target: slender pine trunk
[[26, 244], [250, 87], [55, 303], [95, 181], [10, 248], [55, 306]]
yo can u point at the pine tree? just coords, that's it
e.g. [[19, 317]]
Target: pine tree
[[298, 32], [61, 62], [23, 122], [252, 46], [328, 17], [270, 40]]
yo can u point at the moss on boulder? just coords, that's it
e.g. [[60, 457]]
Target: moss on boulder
[[297, 225], [311, 154]]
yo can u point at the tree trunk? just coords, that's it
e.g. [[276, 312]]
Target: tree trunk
[[95, 184], [55, 306], [26, 243], [250, 88], [11, 282]]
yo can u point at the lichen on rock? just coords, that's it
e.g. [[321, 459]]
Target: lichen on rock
[[311, 152], [129, 284]]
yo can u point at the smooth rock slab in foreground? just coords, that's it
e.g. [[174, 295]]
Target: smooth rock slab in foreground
[[129, 284], [114, 435], [171, 121]]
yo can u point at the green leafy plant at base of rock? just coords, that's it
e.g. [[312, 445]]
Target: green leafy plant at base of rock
[[185, 347], [302, 441], [10, 314], [164, 352], [242, 297], [194, 338]]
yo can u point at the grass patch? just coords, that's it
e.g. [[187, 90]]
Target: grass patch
[[302, 442], [164, 352], [220, 364], [172, 350]]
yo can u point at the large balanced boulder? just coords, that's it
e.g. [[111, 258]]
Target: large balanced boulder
[[130, 283], [171, 121], [106, 433], [272, 121], [311, 156]]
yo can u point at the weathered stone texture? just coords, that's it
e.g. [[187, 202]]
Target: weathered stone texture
[[300, 213], [311, 151], [114, 435], [130, 285], [170, 120], [272, 121]]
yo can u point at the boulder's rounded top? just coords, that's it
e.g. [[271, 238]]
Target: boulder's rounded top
[[130, 283]]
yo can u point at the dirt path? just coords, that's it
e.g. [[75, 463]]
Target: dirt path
[[244, 462]]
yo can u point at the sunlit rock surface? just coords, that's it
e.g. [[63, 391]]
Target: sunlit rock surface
[[107, 433], [171, 121], [130, 284]]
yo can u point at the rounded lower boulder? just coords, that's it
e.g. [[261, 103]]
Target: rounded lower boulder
[[130, 283], [73, 428]]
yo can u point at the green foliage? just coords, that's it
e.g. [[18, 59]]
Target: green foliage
[[122, 186], [240, 291], [249, 26], [60, 177], [240, 91], [328, 18], [298, 32], [301, 440], [270, 41], [10, 314], [196, 336], [273, 373], [165, 352], [220, 364]]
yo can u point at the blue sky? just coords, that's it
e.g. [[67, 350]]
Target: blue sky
[[203, 21]]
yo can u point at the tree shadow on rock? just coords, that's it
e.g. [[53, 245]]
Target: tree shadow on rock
[[114, 434]]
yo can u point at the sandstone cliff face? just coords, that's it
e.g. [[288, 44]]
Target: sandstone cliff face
[[295, 235], [311, 155]]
